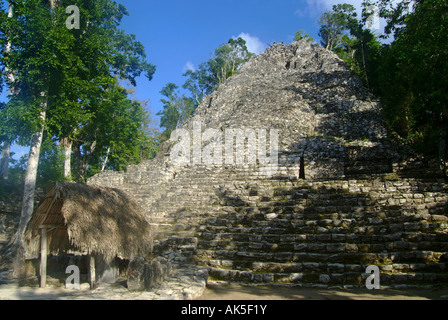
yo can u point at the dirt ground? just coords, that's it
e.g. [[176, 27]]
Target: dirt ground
[[226, 292], [232, 292]]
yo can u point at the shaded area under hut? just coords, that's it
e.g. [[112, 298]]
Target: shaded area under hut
[[102, 224]]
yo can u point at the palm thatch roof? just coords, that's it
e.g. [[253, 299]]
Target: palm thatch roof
[[90, 219]]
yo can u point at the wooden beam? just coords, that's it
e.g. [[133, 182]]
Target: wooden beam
[[43, 258], [92, 272]]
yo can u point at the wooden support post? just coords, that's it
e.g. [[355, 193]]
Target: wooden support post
[[92, 272], [43, 258]]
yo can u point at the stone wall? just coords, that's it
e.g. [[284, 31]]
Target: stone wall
[[248, 228], [10, 209], [362, 202], [9, 217], [303, 232]]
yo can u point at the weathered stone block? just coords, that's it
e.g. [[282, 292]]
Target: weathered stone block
[[336, 247], [136, 274], [143, 275], [324, 279]]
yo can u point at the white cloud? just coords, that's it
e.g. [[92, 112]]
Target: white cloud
[[189, 66], [310, 8], [254, 44], [317, 7]]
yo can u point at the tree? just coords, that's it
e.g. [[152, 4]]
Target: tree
[[301, 34], [7, 131], [51, 167], [226, 62], [395, 13], [117, 135], [102, 50], [414, 75], [6, 137], [198, 84], [333, 25], [343, 33], [228, 59], [58, 67], [28, 54], [365, 53], [176, 110]]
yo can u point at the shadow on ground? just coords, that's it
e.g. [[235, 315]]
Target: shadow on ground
[[235, 292]]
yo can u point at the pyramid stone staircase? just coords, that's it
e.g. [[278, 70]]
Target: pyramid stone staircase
[[251, 229], [361, 203]]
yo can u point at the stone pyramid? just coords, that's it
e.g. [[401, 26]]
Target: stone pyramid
[[323, 113], [331, 203]]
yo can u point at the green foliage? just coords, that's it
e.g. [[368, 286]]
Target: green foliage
[[50, 165], [50, 170], [16, 176], [301, 34], [117, 134], [176, 110], [200, 83], [228, 59], [395, 13], [79, 71], [226, 62], [334, 24], [415, 75], [342, 32], [15, 120]]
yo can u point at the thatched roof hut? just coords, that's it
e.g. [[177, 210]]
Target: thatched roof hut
[[90, 219]]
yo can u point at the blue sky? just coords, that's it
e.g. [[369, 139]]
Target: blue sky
[[181, 34]]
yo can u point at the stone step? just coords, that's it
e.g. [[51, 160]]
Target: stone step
[[221, 180], [162, 235], [423, 240], [181, 249], [287, 231], [327, 280], [342, 203], [180, 244], [369, 195], [249, 216], [247, 228], [346, 226], [330, 268], [332, 254], [276, 267], [335, 246]]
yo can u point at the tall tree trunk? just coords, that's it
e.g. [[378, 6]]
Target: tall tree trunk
[[67, 144], [31, 172], [364, 64], [103, 167], [4, 162], [16, 248], [33, 163]]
